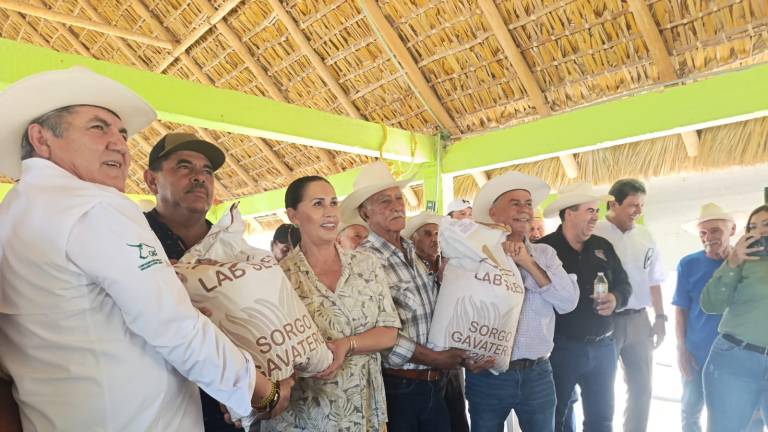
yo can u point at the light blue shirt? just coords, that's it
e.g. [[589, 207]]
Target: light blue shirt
[[536, 327]]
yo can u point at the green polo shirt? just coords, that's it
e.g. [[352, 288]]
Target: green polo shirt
[[741, 295]]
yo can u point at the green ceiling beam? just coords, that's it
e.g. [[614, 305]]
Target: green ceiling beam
[[200, 105], [719, 99]]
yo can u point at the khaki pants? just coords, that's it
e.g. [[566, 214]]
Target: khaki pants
[[634, 346]]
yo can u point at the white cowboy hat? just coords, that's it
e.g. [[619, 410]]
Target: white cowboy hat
[[498, 185], [707, 212], [456, 205], [372, 179], [35, 95], [574, 194], [418, 221]]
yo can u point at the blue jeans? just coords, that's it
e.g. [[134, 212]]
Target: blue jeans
[[530, 392], [692, 402], [735, 385], [415, 405], [591, 365]]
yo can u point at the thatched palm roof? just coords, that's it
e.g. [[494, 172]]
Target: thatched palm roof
[[460, 66]]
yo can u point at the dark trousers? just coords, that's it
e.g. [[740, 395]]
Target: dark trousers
[[455, 402], [213, 418], [415, 405], [591, 365]]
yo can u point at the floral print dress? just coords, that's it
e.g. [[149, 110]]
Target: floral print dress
[[353, 400]]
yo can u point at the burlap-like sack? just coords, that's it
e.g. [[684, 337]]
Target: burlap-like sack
[[252, 301], [481, 295]]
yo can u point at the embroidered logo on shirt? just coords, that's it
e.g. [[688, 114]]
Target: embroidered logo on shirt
[[600, 254], [147, 255]]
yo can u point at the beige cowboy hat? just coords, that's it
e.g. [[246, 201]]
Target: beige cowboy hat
[[574, 194], [707, 212], [35, 95], [457, 205], [372, 179], [538, 213], [498, 185], [418, 221]]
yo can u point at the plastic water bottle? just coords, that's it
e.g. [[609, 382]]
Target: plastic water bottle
[[600, 285]]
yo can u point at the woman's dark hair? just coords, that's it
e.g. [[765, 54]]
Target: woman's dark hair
[[762, 208], [287, 234], [295, 192]]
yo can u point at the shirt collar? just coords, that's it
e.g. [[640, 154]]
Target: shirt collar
[[42, 171]]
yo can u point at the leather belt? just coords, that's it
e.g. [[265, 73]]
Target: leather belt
[[526, 363], [416, 374], [629, 311], [745, 345]]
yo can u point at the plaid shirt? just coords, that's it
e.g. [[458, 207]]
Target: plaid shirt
[[414, 293]]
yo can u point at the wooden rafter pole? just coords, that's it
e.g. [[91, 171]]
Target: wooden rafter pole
[[274, 158], [86, 4], [257, 69], [181, 47], [523, 71], [480, 178], [198, 72], [661, 58], [231, 162], [414, 75], [322, 69], [48, 14]]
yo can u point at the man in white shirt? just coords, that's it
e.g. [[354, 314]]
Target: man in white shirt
[[96, 330], [634, 335]]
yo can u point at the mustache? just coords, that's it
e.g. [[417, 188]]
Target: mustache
[[196, 186]]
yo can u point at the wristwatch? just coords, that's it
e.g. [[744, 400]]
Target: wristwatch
[[662, 317]]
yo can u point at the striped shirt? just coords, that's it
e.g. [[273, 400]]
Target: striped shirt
[[536, 328], [414, 293]]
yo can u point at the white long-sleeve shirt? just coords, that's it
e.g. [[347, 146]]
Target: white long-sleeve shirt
[[96, 330]]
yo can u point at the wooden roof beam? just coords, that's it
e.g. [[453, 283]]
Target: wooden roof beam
[[257, 69], [322, 69], [121, 45], [661, 58], [523, 71], [393, 43], [203, 77], [48, 14], [480, 177]]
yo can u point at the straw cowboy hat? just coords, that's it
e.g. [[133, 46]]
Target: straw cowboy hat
[[457, 205], [707, 212], [35, 95], [418, 221], [371, 180], [574, 194], [498, 185]]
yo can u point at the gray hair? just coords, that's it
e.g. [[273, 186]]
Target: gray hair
[[52, 121]]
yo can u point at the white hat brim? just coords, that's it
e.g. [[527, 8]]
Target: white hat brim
[[35, 95], [353, 200], [498, 185], [413, 224], [569, 200]]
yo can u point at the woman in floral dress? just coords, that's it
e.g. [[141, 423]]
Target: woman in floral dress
[[347, 294]]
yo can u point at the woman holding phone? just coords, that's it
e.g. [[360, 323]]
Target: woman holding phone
[[736, 371]]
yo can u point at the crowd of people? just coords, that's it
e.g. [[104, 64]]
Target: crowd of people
[[98, 333]]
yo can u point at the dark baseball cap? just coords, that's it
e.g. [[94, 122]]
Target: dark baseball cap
[[178, 141]]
